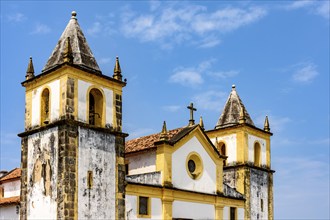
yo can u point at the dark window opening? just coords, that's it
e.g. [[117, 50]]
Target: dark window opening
[[232, 213], [143, 205]]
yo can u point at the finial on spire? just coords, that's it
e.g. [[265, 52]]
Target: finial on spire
[[201, 123], [233, 87], [242, 117], [30, 70], [266, 125], [74, 14], [117, 70], [67, 53], [192, 109], [164, 135]]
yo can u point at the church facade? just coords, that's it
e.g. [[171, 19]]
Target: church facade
[[76, 164]]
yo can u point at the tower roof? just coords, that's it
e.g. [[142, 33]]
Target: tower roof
[[231, 113], [81, 53]]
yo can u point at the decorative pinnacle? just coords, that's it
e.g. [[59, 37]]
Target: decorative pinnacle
[[233, 87], [164, 135], [67, 56], [117, 70], [74, 14], [201, 123], [242, 118], [192, 109], [30, 70], [266, 125]]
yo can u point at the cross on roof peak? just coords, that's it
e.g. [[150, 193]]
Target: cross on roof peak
[[192, 109]]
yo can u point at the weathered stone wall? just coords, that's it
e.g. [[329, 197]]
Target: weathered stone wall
[[97, 155], [41, 175], [67, 176], [259, 194]]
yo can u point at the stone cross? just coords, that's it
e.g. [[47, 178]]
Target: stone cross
[[192, 109]]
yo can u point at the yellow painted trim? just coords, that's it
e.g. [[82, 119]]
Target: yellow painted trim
[[75, 113], [259, 155], [199, 168], [164, 163], [103, 104], [41, 115], [167, 194], [28, 106]]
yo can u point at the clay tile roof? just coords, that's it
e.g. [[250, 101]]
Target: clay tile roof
[[9, 201], [82, 54], [13, 174], [148, 142], [231, 111]]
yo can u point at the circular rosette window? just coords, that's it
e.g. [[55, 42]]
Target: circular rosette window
[[194, 165]]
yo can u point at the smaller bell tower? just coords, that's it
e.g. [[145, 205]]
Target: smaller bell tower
[[72, 156], [248, 164]]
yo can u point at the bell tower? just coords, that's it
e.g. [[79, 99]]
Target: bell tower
[[72, 156], [248, 165]]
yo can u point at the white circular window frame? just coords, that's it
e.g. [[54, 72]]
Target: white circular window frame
[[197, 174]]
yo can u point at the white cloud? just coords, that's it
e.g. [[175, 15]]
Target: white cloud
[[305, 72], [210, 100], [321, 8], [193, 76], [95, 29], [172, 108], [16, 17], [140, 132], [104, 60], [187, 77], [187, 23], [277, 123], [41, 29]]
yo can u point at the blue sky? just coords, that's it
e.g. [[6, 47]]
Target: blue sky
[[173, 53]]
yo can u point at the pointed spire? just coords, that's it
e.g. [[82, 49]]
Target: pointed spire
[[233, 112], [77, 46], [164, 135], [242, 117], [30, 70], [67, 54], [117, 70], [266, 125], [201, 123]]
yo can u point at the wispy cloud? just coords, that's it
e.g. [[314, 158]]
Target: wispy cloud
[[95, 29], [172, 108], [193, 76], [305, 72], [141, 132], [277, 123], [210, 100], [41, 29], [16, 17], [178, 23], [105, 60], [320, 8]]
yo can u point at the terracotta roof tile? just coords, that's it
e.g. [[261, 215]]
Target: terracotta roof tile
[[148, 142], [15, 173], [9, 201]]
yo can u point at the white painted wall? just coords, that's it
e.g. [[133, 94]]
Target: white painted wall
[[142, 163], [108, 106], [11, 188], [54, 97], [240, 213], [231, 146], [82, 100], [181, 179], [9, 212], [251, 140], [39, 205], [96, 154], [83, 87], [131, 208], [193, 210]]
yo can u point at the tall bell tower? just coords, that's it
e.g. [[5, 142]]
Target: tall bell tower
[[248, 165], [72, 156]]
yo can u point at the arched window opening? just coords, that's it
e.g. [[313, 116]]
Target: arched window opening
[[95, 107], [257, 154], [222, 149], [45, 107]]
